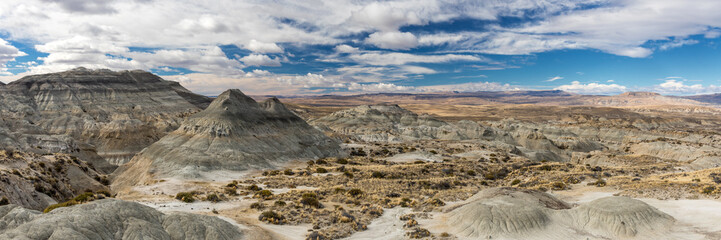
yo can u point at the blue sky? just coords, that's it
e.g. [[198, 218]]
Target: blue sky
[[348, 46]]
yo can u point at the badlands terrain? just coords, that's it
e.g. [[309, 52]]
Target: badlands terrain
[[99, 154]]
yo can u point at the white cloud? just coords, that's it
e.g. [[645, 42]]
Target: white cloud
[[379, 87], [381, 59], [7, 53], [554, 79], [85, 6], [385, 16], [677, 86], [257, 73], [260, 60], [393, 40], [471, 87], [438, 39], [417, 70], [622, 27], [261, 47], [592, 88], [344, 48]]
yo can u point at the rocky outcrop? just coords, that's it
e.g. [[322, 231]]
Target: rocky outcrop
[[35, 181], [234, 133], [111, 219], [119, 113], [508, 213]]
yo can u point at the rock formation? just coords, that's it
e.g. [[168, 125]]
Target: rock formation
[[508, 213], [111, 219], [234, 133], [35, 181], [119, 113]]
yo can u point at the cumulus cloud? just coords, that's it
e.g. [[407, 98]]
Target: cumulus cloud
[[261, 47], [260, 60], [7, 53], [592, 88], [678, 86], [393, 40], [344, 48], [387, 16]]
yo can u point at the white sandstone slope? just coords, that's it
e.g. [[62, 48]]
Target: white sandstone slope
[[111, 219], [509, 213], [234, 133]]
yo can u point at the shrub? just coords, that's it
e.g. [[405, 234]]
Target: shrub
[[231, 191], [377, 174], [545, 167], [213, 198], [4, 201], [321, 170], [558, 186], [348, 174], [359, 153], [321, 161], [84, 197], [355, 192], [254, 188], [598, 183], [288, 172], [515, 182], [59, 205], [257, 205], [342, 161], [264, 194], [708, 190], [436, 202], [279, 203], [471, 173], [310, 199], [187, 197], [339, 190], [271, 216]]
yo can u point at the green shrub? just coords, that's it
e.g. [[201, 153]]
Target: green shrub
[[558, 186], [515, 182], [187, 197], [264, 194], [708, 190], [213, 198], [84, 197], [321, 170], [342, 161], [321, 161], [288, 172], [271, 216], [254, 188], [377, 174], [310, 199], [257, 205], [59, 205], [279, 203], [355, 192]]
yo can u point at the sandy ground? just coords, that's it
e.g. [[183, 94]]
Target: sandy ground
[[386, 227], [415, 156]]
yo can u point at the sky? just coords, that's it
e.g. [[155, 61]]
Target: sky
[[310, 47]]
